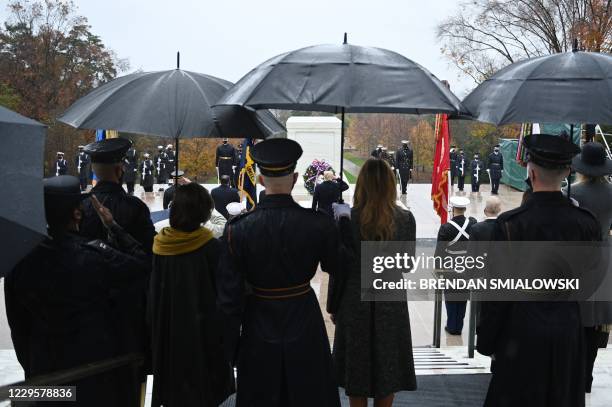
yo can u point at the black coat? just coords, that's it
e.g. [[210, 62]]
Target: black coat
[[225, 158], [461, 164], [538, 346], [81, 163], [377, 153], [130, 166], [404, 160], [496, 165], [129, 212], [189, 363], [222, 195], [168, 196], [61, 167], [146, 173], [372, 342], [71, 302], [283, 350], [170, 161], [477, 166], [161, 161], [326, 193]]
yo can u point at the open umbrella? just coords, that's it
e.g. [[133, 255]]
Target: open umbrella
[[22, 215], [175, 103], [343, 78], [570, 87]]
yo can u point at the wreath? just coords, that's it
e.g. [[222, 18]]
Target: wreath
[[313, 172]]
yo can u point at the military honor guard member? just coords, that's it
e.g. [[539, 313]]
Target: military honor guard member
[[538, 347], [477, 168], [237, 168], [378, 151], [82, 165], [61, 165], [495, 168], [66, 301], [130, 169], [404, 160], [225, 159], [161, 160], [146, 173], [171, 159], [275, 330], [453, 164], [129, 212], [460, 169], [452, 241]]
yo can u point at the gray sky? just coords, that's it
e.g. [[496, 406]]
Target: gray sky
[[226, 38]]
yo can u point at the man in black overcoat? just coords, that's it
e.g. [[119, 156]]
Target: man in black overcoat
[[69, 302], [328, 192], [496, 167], [538, 346], [224, 194], [404, 160], [82, 165], [275, 331]]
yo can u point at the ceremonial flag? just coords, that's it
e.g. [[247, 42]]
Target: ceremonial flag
[[439, 179], [247, 180]]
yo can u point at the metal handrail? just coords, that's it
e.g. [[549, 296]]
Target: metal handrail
[[76, 373]]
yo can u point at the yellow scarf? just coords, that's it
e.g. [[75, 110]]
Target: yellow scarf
[[172, 242]]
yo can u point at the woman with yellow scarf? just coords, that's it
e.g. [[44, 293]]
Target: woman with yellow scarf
[[189, 365]]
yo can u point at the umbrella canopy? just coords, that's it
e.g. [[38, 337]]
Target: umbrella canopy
[[343, 77], [173, 103], [570, 87], [22, 214]]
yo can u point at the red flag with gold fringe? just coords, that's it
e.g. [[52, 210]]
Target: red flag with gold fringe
[[439, 178]]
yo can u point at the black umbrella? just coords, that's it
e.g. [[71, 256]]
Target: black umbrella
[[571, 87], [22, 213], [175, 103], [343, 79]]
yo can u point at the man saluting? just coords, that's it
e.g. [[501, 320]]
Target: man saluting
[[282, 353]]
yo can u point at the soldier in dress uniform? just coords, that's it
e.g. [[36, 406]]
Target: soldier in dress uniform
[[477, 167], [61, 165], [377, 152], [237, 161], [495, 168], [404, 160], [129, 212], [452, 241], [161, 160], [130, 169], [65, 302], [453, 164], [282, 352], [82, 166], [461, 169], [225, 159], [171, 159], [392, 160], [146, 173], [538, 346]]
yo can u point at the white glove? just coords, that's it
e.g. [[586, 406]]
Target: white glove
[[341, 210]]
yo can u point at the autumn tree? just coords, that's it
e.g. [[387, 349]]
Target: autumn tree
[[49, 57], [485, 35]]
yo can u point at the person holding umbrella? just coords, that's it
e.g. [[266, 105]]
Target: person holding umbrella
[[594, 192], [146, 173], [66, 301]]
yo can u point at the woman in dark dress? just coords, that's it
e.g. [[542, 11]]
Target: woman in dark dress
[[189, 365], [373, 345]]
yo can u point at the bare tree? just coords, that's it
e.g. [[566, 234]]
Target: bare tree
[[486, 35]]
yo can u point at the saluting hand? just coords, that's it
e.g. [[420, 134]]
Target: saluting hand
[[103, 212]]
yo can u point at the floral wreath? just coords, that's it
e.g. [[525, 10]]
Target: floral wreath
[[312, 173]]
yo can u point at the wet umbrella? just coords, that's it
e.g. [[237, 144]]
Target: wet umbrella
[[571, 87], [22, 213], [343, 78], [175, 103]]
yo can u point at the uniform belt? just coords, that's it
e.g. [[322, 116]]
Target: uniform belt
[[281, 293]]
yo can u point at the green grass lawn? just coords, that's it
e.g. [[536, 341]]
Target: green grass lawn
[[354, 159], [350, 178]]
